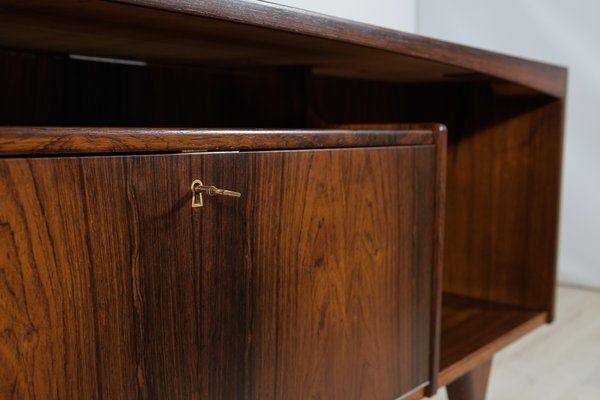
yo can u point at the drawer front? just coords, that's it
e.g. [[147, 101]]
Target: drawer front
[[315, 283]]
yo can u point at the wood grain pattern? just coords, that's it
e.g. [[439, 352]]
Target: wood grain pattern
[[441, 138], [283, 18], [51, 140], [374, 338], [503, 178], [503, 202], [310, 285], [56, 90], [473, 385], [473, 330], [243, 33], [69, 283]]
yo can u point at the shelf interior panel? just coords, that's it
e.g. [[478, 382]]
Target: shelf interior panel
[[473, 330]]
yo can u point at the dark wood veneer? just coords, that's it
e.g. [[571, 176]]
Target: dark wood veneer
[[503, 179], [253, 33], [473, 330], [55, 140], [113, 288]]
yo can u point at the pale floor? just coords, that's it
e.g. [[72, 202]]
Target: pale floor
[[556, 362]]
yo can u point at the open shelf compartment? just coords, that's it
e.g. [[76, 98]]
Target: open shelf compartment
[[473, 330]]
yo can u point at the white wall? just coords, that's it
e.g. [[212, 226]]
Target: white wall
[[565, 32], [396, 14]]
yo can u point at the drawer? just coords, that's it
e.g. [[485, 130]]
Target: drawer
[[315, 283]]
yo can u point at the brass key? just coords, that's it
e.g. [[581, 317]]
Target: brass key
[[198, 189]]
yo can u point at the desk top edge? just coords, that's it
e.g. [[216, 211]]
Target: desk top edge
[[249, 33], [545, 77], [20, 141]]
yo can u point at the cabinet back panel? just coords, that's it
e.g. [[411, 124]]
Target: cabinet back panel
[[55, 90]]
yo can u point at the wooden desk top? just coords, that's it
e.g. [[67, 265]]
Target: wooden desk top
[[248, 34]]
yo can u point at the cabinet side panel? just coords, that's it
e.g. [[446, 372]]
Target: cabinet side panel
[[502, 203]]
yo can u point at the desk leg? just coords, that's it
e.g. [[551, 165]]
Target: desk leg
[[472, 385]]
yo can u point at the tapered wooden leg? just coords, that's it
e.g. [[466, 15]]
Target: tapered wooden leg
[[472, 385]]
